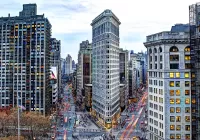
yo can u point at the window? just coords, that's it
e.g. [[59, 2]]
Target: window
[[177, 83], [177, 74], [160, 100], [178, 101], [160, 57], [174, 66], [155, 50], [187, 92], [186, 74], [178, 127], [160, 49], [193, 100], [172, 136], [150, 51], [187, 49], [187, 127], [187, 136], [171, 75], [173, 49], [178, 136], [193, 92], [174, 57], [187, 83], [187, 118], [193, 83], [155, 66], [193, 75], [178, 109], [171, 83], [161, 66], [187, 109], [187, 57], [172, 119], [178, 118], [155, 58], [172, 127], [172, 109], [178, 92], [171, 101], [188, 66], [171, 92], [187, 101]]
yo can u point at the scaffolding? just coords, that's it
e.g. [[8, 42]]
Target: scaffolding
[[194, 21]]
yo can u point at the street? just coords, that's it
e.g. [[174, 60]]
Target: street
[[136, 118], [67, 116], [80, 125]]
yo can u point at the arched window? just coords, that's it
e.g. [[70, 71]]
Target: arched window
[[173, 49], [187, 49], [155, 50], [160, 49], [150, 51]]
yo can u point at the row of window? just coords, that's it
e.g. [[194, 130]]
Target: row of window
[[178, 101], [155, 114], [156, 91], [177, 75], [156, 66], [155, 106], [171, 58], [172, 49], [178, 109], [155, 130], [155, 98], [178, 118], [187, 127], [177, 83], [155, 82], [187, 92], [178, 136], [155, 74]]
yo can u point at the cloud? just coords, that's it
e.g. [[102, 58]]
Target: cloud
[[138, 18]]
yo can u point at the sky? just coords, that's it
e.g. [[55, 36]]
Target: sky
[[71, 19]]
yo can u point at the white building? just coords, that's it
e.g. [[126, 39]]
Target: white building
[[105, 68], [169, 90], [69, 64]]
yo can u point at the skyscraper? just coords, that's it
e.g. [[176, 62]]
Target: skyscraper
[[169, 86], [123, 73], [73, 65], [55, 59], [25, 54], [63, 66], [194, 20], [84, 71], [68, 64], [105, 68]]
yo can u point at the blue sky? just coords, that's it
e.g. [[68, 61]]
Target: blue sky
[[71, 19]]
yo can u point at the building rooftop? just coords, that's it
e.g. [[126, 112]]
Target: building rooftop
[[105, 13], [167, 35], [180, 28]]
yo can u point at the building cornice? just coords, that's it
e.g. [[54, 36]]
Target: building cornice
[[166, 41]]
